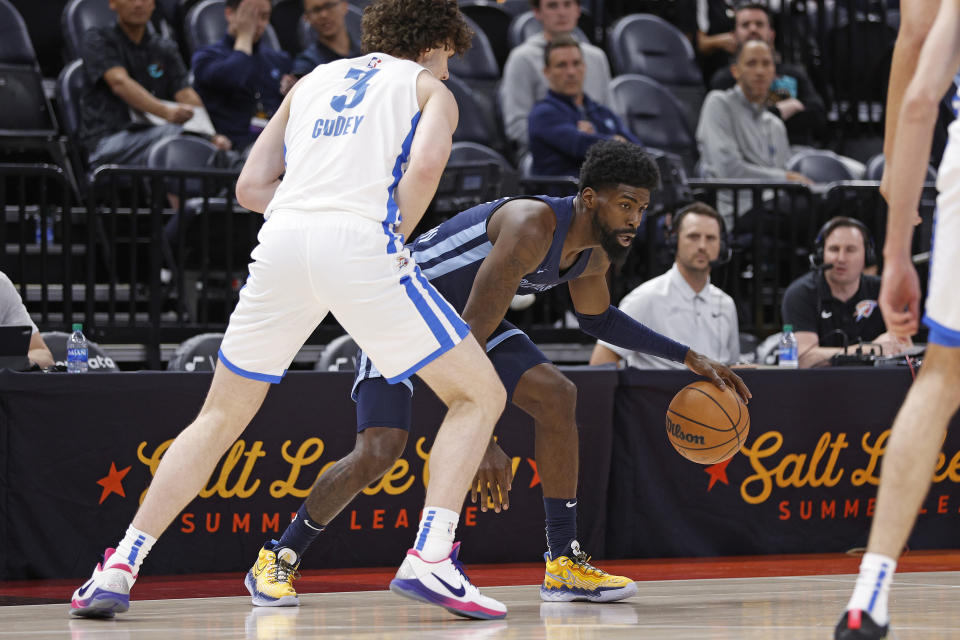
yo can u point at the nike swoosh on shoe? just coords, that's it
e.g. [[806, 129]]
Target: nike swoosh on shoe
[[457, 592], [82, 590]]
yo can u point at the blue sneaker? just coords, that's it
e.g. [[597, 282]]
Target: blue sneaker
[[443, 583], [107, 592]]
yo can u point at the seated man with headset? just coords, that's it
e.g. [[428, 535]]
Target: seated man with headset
[[682, 304], [835, 304]]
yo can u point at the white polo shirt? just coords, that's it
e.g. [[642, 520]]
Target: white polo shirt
[[705, 321]]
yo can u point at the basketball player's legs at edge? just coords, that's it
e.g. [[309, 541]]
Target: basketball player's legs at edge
[[539, 389]]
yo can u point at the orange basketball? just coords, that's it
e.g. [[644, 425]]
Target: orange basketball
[[707, 424]]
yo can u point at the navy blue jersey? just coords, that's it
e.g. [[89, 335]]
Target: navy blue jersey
[[450, 254]]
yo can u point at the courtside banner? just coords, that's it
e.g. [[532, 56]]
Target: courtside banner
[[78, 453], [804, 482]]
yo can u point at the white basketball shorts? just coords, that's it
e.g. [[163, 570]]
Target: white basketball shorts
[[942, 313], [307, 265]]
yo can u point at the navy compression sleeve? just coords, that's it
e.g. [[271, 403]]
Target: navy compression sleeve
[[616, 327]]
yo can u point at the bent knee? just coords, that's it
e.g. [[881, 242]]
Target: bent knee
[[378, 448]]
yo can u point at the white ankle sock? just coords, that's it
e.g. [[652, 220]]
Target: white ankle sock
[[435, 536], [134, 548], [873, 586]]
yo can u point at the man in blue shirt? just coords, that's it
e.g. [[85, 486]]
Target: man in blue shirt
[[567, 122], [331, 41], [239, 77]]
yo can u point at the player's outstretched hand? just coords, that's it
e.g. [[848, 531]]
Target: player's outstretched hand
[[493, 479], [900, 297], [719, 374]]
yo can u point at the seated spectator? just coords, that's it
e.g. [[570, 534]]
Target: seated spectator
[[327, 19], [792, 96], [737, 136], [715, 41], [836, 303], [567, 121], [130, 70], [14, 313], [682, 304], [523, 80], [238, 77]]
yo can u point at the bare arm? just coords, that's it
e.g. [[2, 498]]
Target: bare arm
[[261, 172], [521, 237], [133, 93], [916, 18], [188, 96], [39, 352], [429, 151]]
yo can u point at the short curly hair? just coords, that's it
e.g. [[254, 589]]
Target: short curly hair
[[407, 28], [612, 162]]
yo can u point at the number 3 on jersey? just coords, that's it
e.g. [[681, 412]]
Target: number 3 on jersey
[[339, 103]]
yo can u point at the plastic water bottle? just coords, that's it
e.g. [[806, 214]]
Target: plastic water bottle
[[77, 350], [787, 349]]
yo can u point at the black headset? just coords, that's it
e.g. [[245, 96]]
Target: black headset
[[726, 252], [870, 249]]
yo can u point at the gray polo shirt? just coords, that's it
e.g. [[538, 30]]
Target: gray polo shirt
[[524, 84], [706, 321], [741, 140], [12, 311]]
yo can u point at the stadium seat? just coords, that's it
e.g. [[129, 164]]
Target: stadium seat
[[494, 20], [205, 24], [339, 355], [525, 25], [15, 44], [820, 165], [474, 152], [651, 46], [305, 34], [655, 116], [183, 152], [876, 164], [478, 63], [70, 86], [477, 118], [97, 360], [198, 353]]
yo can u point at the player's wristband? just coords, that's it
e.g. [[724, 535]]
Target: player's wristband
[[616, 327]]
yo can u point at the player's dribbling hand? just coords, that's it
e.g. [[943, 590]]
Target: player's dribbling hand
[[900, 297], [493, 480], [717, 373]]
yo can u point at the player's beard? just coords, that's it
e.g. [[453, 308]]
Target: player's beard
[[610, 243]]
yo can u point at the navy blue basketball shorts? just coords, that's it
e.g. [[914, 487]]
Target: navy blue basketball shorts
[[381, 404]]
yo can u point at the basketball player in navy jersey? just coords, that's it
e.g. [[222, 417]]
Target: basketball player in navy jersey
[[920, 426], [360, 145], [479, 260]]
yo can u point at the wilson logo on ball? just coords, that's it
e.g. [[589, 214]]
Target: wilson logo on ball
[[676, 431]]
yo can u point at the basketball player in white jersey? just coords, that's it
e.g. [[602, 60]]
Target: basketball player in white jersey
[[361, 144], [920, 426]]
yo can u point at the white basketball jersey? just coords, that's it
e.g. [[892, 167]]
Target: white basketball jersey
[[348, 138]]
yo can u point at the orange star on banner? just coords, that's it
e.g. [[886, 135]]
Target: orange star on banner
[[718, 472], [113, 482], [536, 474]]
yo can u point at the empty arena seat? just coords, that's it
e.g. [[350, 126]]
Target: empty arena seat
[[80, 15], [15, 44], [876, 164], [654, 115], [820, 165], [97, 360], [198, 353], [478, 63], [465, 152]]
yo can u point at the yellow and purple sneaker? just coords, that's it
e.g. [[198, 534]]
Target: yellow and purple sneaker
[[570, 576], [270, 579]]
